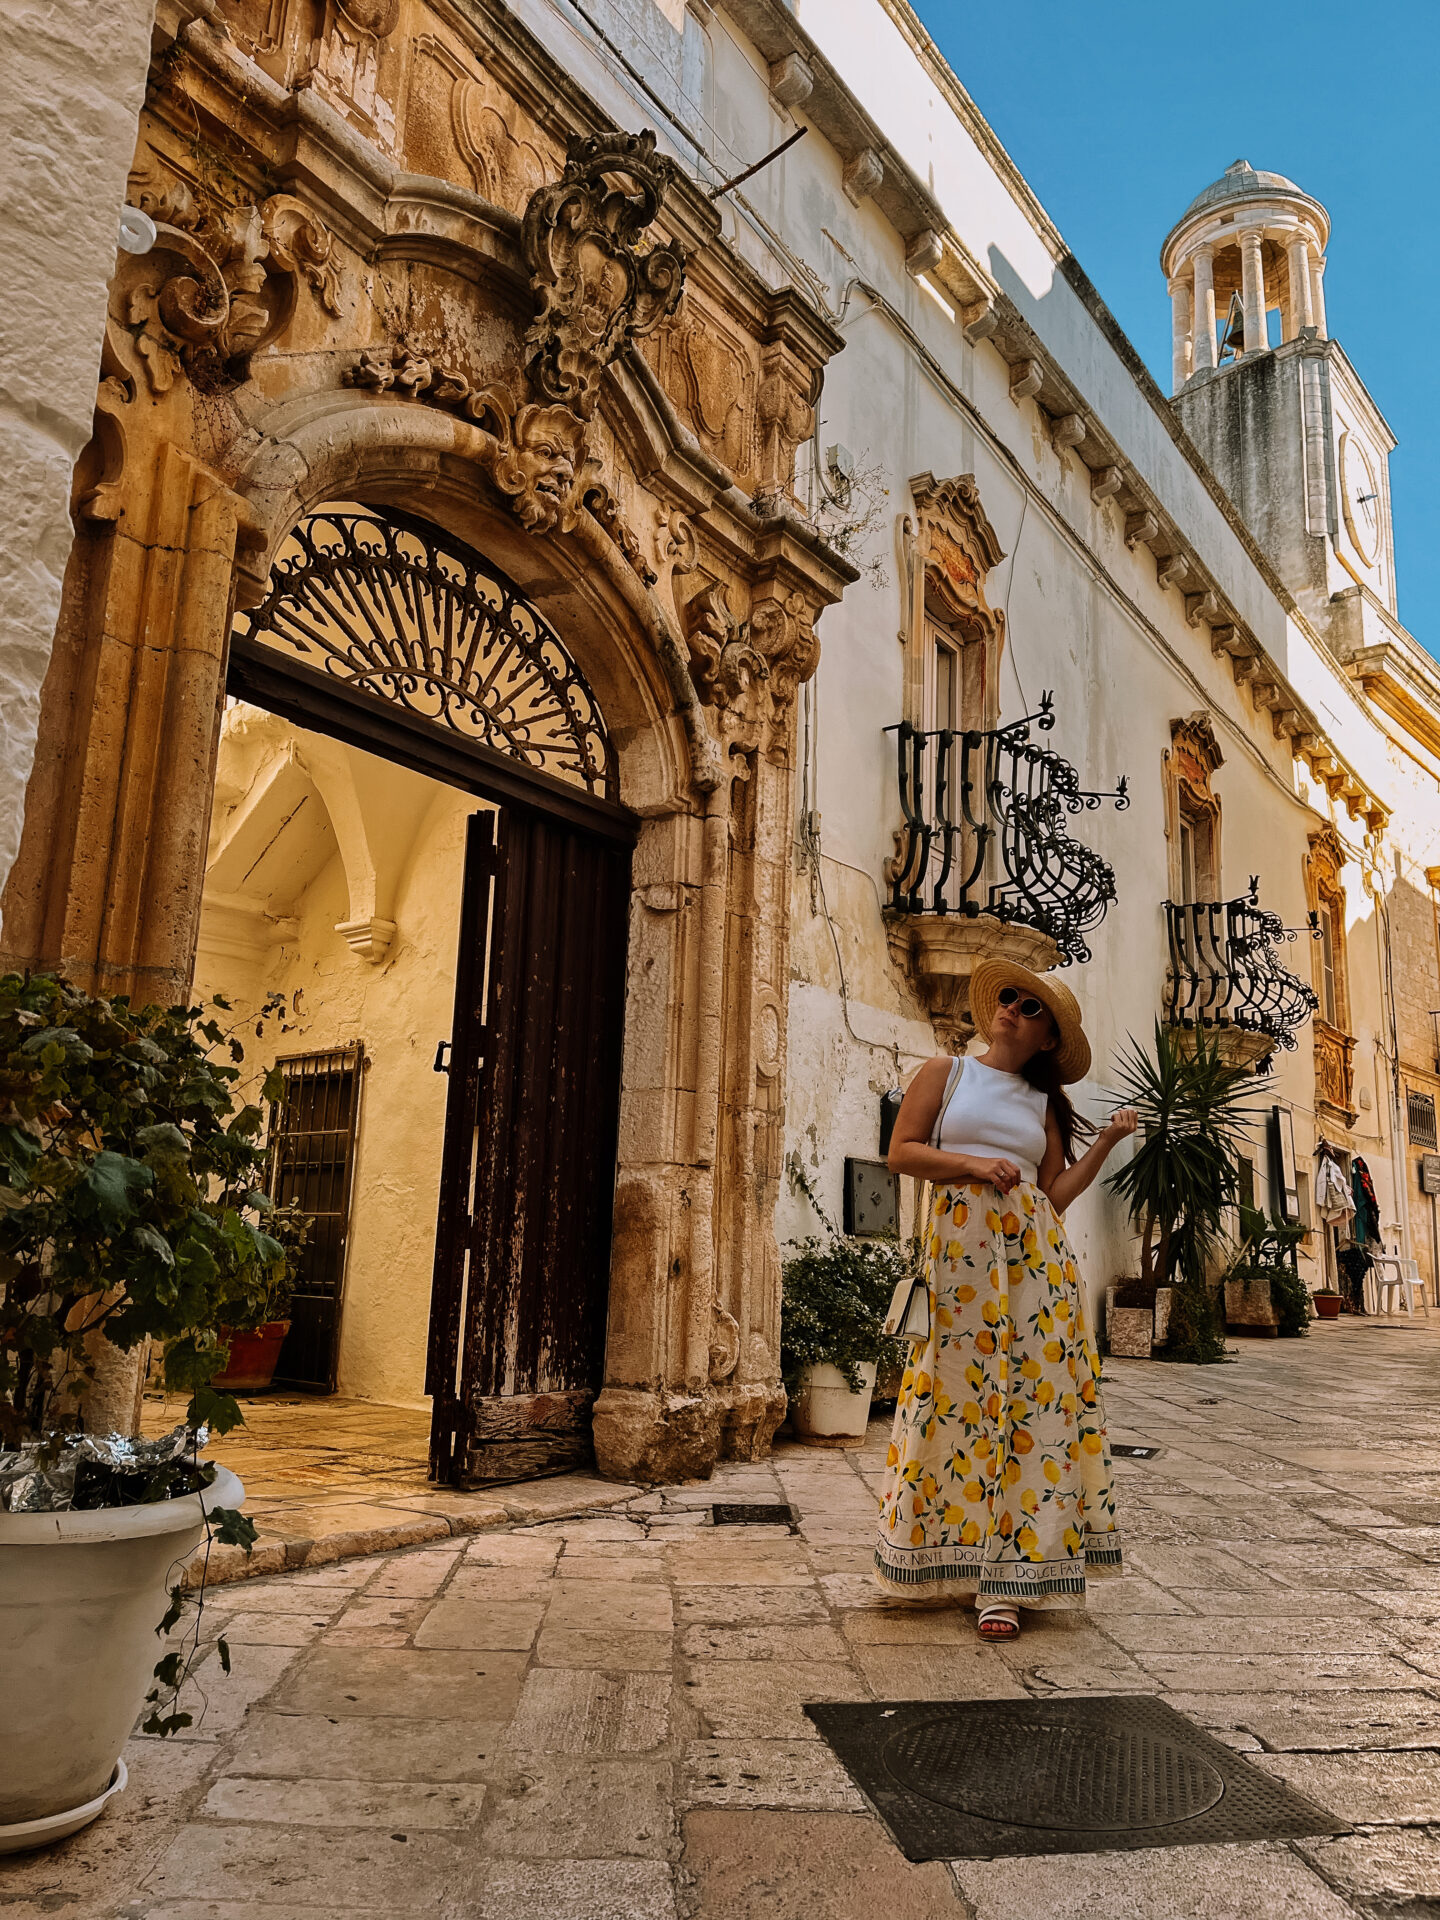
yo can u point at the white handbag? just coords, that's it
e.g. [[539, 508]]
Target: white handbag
[[909, 1314]]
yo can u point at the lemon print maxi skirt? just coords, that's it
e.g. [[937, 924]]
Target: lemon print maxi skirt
[[998, 1481]]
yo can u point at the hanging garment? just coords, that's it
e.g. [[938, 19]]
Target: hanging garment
[[1367, 1204], [1333, 1203], [998, 1480]]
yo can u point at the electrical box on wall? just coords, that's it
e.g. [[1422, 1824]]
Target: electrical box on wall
[[1430, 1173], [872, 1200]]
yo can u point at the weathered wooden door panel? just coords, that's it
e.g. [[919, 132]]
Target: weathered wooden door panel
[[523, 1240]]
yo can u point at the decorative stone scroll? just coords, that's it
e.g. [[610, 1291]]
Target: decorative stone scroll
[[218, 284], [597, 287]]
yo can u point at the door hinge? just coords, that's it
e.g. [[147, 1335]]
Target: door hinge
[[442, 1065]]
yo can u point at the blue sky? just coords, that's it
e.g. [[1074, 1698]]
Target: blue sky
[[1119, 113]]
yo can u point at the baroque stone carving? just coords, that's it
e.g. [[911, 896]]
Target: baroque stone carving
[[218, 283], [724, 663], [597, 287]]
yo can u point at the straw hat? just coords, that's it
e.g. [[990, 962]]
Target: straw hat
[[1072, 1056]]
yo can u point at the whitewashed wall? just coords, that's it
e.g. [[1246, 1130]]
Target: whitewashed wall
[[74, 78]]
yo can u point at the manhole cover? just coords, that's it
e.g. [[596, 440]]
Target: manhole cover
[[1119, 1451], [986, 1779], [999, 1765], [737, 1514]]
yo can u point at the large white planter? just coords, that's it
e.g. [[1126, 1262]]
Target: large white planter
[[80, 1597], [824, 1408]]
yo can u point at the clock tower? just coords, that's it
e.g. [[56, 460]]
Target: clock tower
[[1278, 412]]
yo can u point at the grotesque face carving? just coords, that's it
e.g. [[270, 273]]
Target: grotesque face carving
[[538, 466]]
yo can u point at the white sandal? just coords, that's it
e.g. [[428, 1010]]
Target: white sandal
[[999, 1622]]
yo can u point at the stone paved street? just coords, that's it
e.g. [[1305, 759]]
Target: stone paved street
[[600, 1718]]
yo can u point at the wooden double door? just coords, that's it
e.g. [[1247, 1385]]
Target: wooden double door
[[522, 1246], [384, 632]]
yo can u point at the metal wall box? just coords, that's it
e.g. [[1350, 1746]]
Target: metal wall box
[[872, 1200]]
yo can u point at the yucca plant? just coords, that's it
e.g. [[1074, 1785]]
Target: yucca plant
[[1194, 1123]]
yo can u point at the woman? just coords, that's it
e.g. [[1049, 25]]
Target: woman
[[998, 1477]]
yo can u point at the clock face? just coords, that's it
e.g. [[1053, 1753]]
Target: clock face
[[1360, 497]]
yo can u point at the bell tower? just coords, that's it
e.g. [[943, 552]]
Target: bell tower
[[1274, 406]]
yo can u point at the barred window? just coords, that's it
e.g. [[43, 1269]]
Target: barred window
[[1420, 1113]]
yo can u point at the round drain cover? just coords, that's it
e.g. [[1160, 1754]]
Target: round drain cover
[[1014, 1767]]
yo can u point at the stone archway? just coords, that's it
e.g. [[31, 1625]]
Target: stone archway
[[546, 434]]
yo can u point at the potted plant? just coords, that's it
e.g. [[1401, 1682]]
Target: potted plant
[[835, 1296], [131, 1211], [254, 1340], [1327, 1303], [1180, 1180], [1263, 1289]]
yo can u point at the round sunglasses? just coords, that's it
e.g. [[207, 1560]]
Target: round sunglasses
[[1029, 1008]]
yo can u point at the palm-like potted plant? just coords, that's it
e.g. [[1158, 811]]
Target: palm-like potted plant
[[1182, 1177], [131, 1211]]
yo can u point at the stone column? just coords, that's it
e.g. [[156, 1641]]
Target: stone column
[[1252, 294], [1203, 325], [1300, 309], [1317, 293], [1179, 333]]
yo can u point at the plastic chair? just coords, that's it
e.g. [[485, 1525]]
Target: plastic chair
[[1402, 1279]]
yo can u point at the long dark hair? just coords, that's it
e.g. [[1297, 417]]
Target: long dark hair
[[1042, 1070]]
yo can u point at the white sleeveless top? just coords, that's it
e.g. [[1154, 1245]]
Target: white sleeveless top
[[993, 1114]]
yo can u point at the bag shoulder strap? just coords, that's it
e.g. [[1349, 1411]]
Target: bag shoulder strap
[[957, 1066]]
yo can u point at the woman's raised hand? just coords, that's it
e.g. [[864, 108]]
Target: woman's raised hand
[[1121, 1124]]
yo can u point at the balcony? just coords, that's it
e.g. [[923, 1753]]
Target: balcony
[[1225, 976], [985, 864]]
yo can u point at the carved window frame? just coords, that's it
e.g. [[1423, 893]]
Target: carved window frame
[[1189, 765], [1325, 894], [950, 548]]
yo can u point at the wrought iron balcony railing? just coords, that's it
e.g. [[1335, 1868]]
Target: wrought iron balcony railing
[[985, 831], [1224, 969]]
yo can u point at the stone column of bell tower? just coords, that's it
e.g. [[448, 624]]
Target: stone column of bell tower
[[1273, 405]]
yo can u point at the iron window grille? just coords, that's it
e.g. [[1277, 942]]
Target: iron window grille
[[1224, 970], [985, 831], [1420, 1118]]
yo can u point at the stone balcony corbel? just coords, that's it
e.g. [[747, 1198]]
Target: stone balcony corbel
[[1173, 570], [1068, 431], [1105, 483], [1140, 529], [924, 253], [1026, 379], [862, 175], [938, 954], [979, 320], [792, 80], [1200, 608]]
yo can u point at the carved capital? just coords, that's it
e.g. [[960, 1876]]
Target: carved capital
[[782, 629], [596, 284]]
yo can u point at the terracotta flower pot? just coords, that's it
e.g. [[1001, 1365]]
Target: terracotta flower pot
[[1328, 1305], [254, 1357]]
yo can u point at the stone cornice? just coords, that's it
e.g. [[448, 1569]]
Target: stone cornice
[[833, 110]]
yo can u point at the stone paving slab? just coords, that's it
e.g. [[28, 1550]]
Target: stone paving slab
[[592, 1708]]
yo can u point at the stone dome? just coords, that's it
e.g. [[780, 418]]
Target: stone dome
[[1239, 180]]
